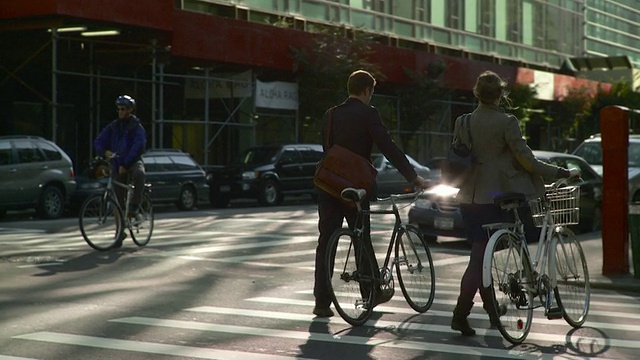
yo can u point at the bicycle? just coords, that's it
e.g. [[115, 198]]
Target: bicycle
[[103, 220], [558, 271], [353, 282]]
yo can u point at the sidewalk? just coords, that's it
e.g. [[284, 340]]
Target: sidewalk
[[592, 247]]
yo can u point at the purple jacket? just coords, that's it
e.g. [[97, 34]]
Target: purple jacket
[[127, 138]]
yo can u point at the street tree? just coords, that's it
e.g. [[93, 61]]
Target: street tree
[[322, 70]]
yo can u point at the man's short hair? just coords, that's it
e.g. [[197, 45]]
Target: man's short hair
[[359, 81]]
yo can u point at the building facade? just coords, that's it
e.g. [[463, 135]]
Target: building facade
[[213, 77]]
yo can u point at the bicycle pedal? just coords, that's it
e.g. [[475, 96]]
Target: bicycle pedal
[[553, 313]]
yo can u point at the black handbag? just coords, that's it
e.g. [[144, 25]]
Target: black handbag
[[460, 161]]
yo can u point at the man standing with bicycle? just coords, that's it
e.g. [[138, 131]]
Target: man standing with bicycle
[[126, 138], [356, 126]]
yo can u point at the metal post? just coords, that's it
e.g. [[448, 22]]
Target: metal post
[[160, 102], [614, 126], [206, 116], [93, 128], [154, 118], [54, 83]]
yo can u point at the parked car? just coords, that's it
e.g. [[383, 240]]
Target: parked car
[[267, 174], [390, 181], [437, 213], [175, 177], [591, 151], [34, 173]]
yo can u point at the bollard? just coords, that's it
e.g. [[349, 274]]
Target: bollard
[[634, 235]]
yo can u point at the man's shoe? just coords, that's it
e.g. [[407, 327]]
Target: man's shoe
[[118, 243], [323, 312]]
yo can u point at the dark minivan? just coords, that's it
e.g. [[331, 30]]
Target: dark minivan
[[175, 178], [267, 174]]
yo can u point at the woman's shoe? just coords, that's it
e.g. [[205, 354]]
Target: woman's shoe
[[462, 324]]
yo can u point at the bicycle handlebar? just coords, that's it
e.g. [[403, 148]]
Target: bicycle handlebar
[[562, 182], [393, 197]]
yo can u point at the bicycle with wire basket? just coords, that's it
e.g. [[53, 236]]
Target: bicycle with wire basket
[[355, 285], [103, 220], [557, 276]]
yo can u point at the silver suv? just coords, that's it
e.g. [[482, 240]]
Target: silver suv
[[34, 173], [591, 151]]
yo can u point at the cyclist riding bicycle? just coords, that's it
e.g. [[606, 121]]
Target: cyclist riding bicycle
[[126, 137]]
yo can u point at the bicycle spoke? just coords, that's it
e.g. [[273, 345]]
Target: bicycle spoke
[[415, 271], [350, 280], [142, 225], [100, 223], [572, 276], [511, 288]]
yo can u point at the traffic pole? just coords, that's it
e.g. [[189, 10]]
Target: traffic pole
[[614, 127]]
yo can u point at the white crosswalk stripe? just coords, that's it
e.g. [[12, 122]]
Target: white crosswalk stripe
[[294, 307]]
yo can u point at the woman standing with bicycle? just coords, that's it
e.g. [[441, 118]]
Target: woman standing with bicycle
[[503, 163], [126, 137]]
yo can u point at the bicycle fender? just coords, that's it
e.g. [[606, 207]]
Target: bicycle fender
[[486, 261]]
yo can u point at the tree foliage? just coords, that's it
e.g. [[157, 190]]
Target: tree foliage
[[418, 99], [523, 103], [323, 70]]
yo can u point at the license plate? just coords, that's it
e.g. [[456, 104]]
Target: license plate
[[443, 223], [225, 188]]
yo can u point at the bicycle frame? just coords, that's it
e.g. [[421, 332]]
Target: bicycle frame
[[359, 228], [543, 259]]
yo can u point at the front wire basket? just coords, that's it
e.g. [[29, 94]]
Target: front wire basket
[[564, 205]]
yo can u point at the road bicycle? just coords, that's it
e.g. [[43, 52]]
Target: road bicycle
[[557, 276], [353, 281], [103, 220]]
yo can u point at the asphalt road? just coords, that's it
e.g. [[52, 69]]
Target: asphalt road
[[236, 283]]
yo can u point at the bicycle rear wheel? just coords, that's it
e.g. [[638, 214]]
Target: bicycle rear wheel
[[100, 223], [350, 277], [414, 268], [573, 292], [141, 227], [512, 287]]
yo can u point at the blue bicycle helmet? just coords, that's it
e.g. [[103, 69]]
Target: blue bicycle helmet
[[126, 101]]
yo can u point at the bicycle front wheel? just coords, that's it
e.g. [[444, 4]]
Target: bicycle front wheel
[[351, 278], [573, 292], [512, 286], [100, 223], [141, 227], [414, 268]]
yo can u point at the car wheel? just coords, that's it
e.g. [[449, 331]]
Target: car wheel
[[218, 201], [187, 199], [270, 194], [51, 204]]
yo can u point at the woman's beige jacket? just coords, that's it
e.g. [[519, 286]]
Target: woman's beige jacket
[[505, 163]]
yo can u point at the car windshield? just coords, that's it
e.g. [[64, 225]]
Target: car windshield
[[258, 156], [592, 153]]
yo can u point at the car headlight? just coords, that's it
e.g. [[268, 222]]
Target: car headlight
[[250, 175]]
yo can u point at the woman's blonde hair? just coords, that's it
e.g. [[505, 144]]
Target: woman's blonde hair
[[490, 87]]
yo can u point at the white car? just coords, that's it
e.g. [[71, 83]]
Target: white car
[[591, 151]]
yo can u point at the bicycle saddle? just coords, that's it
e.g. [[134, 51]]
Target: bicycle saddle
[[509, 200], [355, 195]]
